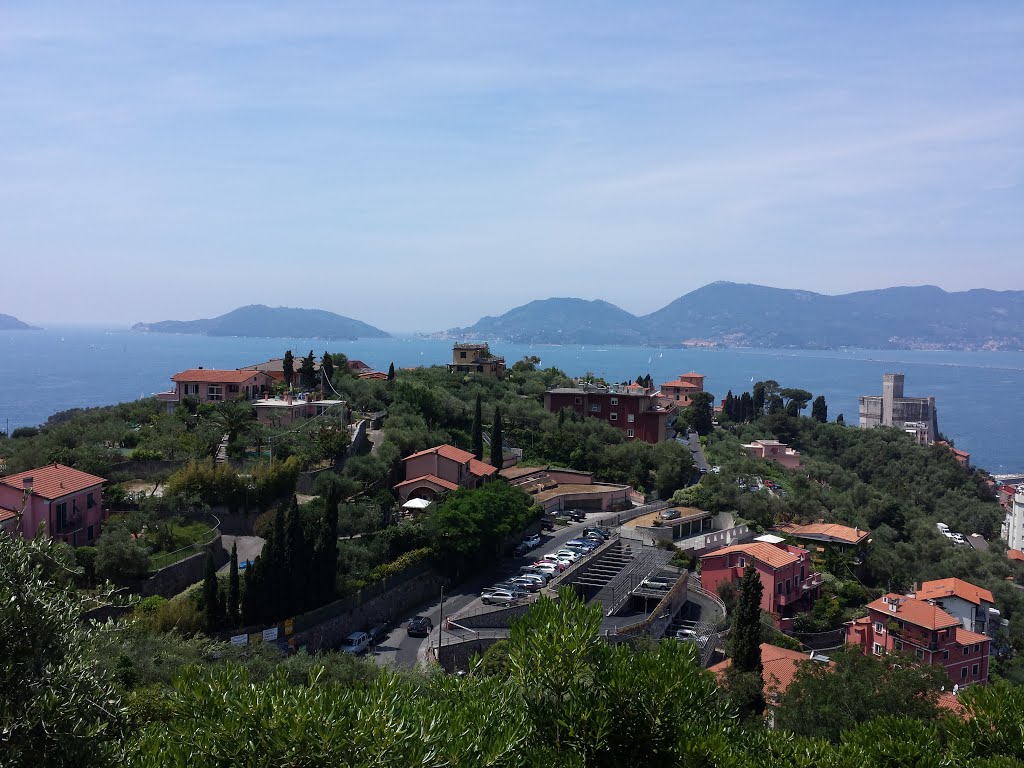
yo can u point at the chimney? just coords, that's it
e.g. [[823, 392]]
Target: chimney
[[200, 368], [26, 483]]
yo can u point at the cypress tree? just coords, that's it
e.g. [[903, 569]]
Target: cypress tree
[[211, 601], [327, 553], [819, 409], [391, 373], [728, 406], [295, 566], [288, 365], [497, 450], [326, 372], [840, 419], [746, 407], [307, 371], [251, 600], [478, 431], [234, 589], [746, 674]]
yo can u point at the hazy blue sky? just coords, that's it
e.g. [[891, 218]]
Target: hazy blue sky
[[419, 165]]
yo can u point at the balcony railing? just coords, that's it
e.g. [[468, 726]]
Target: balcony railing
[[814, 580]]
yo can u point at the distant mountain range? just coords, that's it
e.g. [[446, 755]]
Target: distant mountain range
[[10, 323], [261, 321], [740, 315]]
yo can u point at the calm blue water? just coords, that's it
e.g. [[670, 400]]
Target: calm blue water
[[978, 393]]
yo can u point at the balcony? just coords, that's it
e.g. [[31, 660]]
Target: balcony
[[813, 581]]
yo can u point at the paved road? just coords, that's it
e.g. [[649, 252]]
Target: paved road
[[402, 650], [697, 452], [248, 548]]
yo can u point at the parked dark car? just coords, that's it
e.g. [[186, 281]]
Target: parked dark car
[[578, 515], [420, 626], [547, 525]]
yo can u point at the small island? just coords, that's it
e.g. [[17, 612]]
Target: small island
[[11, 323], [260, 321]]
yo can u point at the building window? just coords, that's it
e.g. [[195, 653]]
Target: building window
[[878, 649], [215, 392], [613, 417], [898, 645], [974, 670], [62, 515], [462, 355], [630, 418], [920, 653], [232, 388], [743, 562], [615, 401], [191, 389], [629, 433], [595, 407], [966, 650], [963, 673], [945, 655], [787, 586], [976, 647], [90, 533], [879, 628], [779, 590], [577, 400], [90, 501]]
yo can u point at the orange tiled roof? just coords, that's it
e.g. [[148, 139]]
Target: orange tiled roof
[[214, 376], [920, 613], [680, 384], [379, 375], [949, 702], [448, 451], [843, 533], [430, 479], [481, 469], [780, 666], [966, 637], [1015, 554], [54, 481], [933, 590], [774, 557], [6, 514]]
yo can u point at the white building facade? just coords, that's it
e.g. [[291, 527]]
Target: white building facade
[[1013, 526]]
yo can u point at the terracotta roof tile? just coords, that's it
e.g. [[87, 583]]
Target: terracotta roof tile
[[773, 556], [430, 479], [843, 533], [1015, 554], [54, 481], [481, 469], [780, 667], [214, 376], [966, 637], [920, 613], [935, 590], [6, 514], [448, 451]]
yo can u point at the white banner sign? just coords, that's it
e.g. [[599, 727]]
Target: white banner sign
[[239, 639], [270, 635]]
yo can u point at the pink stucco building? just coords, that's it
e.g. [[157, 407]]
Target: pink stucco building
[[443, 468], [208, 385], [784, 570], [773, 450], [68, 503], [679, 391], [909, 624]]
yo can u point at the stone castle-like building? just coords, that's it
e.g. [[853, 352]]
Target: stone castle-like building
[[915, 415]]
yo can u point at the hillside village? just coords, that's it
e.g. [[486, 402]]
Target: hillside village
[[313, 508]]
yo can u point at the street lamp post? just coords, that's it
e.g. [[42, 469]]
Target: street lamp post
[[440, 626]]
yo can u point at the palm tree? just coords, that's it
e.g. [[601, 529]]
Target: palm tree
[[234, 418]]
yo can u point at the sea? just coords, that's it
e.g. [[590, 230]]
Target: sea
[[978, 394]]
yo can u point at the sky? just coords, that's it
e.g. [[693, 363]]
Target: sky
[[420, 165]]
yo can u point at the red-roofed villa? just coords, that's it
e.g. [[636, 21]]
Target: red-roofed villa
[[902, 623], [443, 468], [784, 570], [212, 386], [68, 503]]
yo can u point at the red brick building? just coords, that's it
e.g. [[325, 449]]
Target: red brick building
[[631, 408], [901, 623]]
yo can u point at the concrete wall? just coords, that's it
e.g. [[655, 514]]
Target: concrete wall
[[382, 608], [169, 581], [501, 618], [455, 657]]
